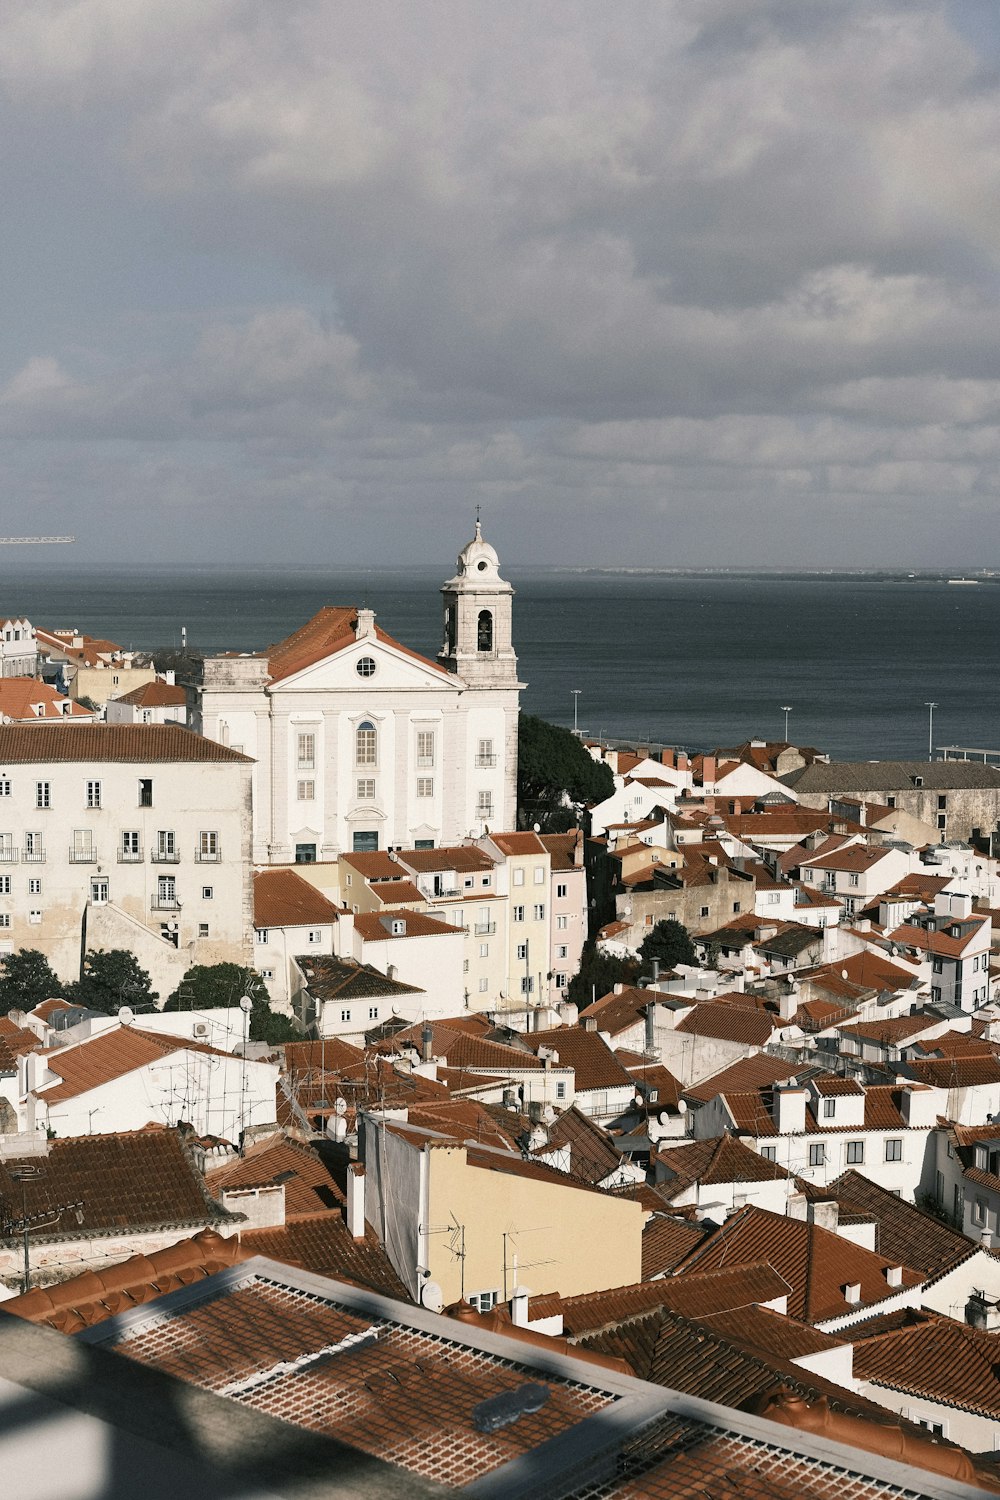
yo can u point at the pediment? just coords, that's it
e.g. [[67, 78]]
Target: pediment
[[395, 669]]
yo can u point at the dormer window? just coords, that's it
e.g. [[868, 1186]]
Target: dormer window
[[918, 781]]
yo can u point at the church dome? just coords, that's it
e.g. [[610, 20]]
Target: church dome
[[478, 561]]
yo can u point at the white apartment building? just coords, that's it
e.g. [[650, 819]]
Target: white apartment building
[[360, 743], [18, 648], [124, 836]]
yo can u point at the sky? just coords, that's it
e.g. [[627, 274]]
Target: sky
[[678, 283]]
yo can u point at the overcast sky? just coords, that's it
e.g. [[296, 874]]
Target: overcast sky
[[681, 282]]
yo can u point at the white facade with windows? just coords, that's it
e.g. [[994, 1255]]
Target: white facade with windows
[[134, 837], [360, 744]]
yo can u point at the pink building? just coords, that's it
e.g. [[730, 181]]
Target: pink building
[[568, 908]]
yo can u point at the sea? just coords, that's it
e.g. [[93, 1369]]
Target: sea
[[690, 659]]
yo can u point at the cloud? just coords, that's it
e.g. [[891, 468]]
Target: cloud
[[697, 255]]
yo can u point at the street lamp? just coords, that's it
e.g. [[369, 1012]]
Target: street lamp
[[576, 703], [786, 709], [930, 707]]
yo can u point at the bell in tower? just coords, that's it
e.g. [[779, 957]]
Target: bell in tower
[[477, 619]]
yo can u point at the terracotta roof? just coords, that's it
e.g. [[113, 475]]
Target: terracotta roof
[[594, 1064], [745, 1076], [329, 978], [773, 1334], [21, 697], [917, 884], [375, 928], [137, 1180], [46, 1008], [816, 1263], [561, 847], [903, 1232], [666, 1241], [139, 744], [462, 858], [107, 1056], [722, 1159], [396, 892], [518, 843], [281, 898], [95, 1295], [839, 777], [716, 1291], [322, 1243], [377, 865], [957, 1072], [857, 858], [728, 1023], [330, 630], [940, 942], [329, 1056], [942, 1361], [310, 1188], [892, 1030], [460, 1050], [156, 694], [616, 1013]]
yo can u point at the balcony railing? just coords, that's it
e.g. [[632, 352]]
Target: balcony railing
[[79, 856], [9, 856], [485, 929], [33, 856], [165, 857], [485, 762], [164, 903], [130, 856], [208, 856]]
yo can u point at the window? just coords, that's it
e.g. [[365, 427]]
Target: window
[[34, 848], [942, 803], [484, 1302], [561, 924], [854, 879], [166, 844], [936, 1429], [145, 791], [306, 758], [484, 631], [855, 1153], [484, 805], [560, 1091], [527, 984], [894, 1150], [82, 849], [203, 929], [131, 849], [485, 759], [425, 786], [262, 935], [704, 911], [487, 880], [345, 1015], [562, 891], [5, 885], [817, 1155], [34, 916], [769, 1153], [43, 791], [365, 841], [373, 1012], [979, 1212], [517, 914], [484, 950], [560, 981], [207, 893], [365, 666], [315, 935], [937, 966], [942, 821], [539, 875], [208, 844], [538, 912], [736, 906], [4, 788], [166, 890], [518, 875], [267, 974], [562, 951], [425, 747], [522, 952], [4, 918], [366, 788], [484, 985], [34, 885], [366, 744], [829, 1108], [890, 802], [305, 791], [93, 794]]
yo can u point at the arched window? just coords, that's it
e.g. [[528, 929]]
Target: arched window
[[485, 633], [366, 744]]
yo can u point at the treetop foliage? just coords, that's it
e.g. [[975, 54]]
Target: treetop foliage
[[554, 769]]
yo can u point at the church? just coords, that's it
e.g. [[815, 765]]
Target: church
[[361, 743]]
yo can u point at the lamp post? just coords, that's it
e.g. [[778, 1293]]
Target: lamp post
[[930, 707], [786, 709], [576, 703]]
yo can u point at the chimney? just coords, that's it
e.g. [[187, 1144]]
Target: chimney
[[590, 1023], [426, 1042], [519, 1307], [649, 1015], [789, 1108], [364, 629], [852, 1293], [655, 966], [356, 1200], [894, 1275], [708, 772]]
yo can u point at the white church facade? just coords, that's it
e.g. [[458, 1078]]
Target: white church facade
[[362, 744]]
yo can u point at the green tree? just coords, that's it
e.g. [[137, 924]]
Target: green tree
[[554, 769], [598, 974], [669, 942], [26, 979], [214, 986], [111, 979]]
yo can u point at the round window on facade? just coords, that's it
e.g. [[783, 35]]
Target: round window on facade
[[482, 566], [365, 666]]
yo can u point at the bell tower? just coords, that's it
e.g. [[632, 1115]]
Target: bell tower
[[477, 620]]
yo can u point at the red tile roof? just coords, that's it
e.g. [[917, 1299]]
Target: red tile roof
[[309, 1189], [728, 1023], [594, 1063], [281, 898], [109, 1055], [745, 1076], [692, 1296], [21, 697], [374, 927], [330, 630], [139, 744], [721, 1159], [156, 694], [322, 1243], [518, 843]]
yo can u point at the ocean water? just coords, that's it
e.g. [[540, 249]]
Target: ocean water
[[686, 659]]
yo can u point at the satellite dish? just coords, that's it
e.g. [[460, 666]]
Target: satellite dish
[[431, 1296], [340, 1105], [537, 827], [246, 1004], [844, 974], [126, 1015]]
